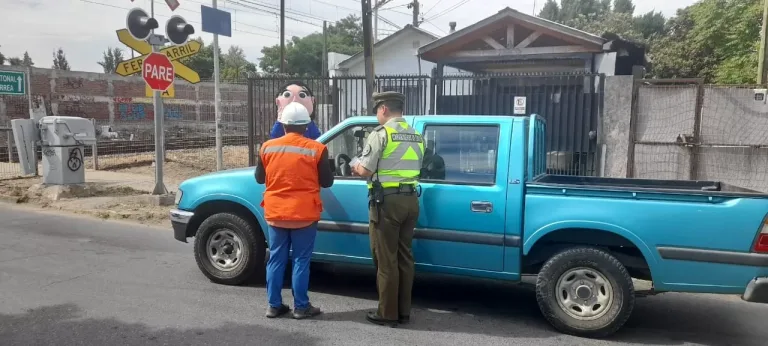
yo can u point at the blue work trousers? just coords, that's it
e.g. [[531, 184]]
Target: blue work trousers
[[281, 241]]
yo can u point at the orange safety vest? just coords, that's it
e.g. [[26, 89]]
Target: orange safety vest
[[292, 184]]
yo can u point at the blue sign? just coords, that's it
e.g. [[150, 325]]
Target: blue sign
[[216, 21]]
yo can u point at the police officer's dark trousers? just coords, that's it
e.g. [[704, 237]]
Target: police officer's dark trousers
[[391, 233]]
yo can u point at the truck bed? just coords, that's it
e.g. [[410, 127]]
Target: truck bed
[[698, 187]]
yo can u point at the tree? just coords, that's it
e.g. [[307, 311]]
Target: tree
[[550, 11], [2, 59], [202, 62], [623, 6], [234, 65], [712, 39], [15, 61], [304, 55], [27, 60], [651, 24], [110, 58], [60, 60]]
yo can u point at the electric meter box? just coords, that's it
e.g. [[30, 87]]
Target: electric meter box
[[63, 140], [56, 131]]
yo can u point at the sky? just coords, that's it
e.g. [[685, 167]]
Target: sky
[[84, 29]]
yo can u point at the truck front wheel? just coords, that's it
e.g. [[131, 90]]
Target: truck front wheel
[[229, 250], [585, 291]]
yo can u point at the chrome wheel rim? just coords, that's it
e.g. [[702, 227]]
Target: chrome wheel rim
[[584, 293], [224, 249]]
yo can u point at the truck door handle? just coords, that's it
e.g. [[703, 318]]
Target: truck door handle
[[481, 207]]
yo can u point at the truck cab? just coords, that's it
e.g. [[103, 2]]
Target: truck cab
[[490, 210]]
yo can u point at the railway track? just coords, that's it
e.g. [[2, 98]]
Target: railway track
[[108, 147]]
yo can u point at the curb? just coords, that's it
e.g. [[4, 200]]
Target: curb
[[9, 199]]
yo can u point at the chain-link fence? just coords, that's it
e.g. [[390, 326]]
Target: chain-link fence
[[11, 107], [683, 129]]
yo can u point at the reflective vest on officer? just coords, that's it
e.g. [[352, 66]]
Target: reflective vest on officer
[[400, 161], [292, 183]]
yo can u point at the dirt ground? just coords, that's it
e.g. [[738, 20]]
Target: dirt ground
[[180, 164], [124, 202], [105, 202]]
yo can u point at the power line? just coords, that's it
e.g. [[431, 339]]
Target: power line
[[448, 10], [190, 21], [433, 7]]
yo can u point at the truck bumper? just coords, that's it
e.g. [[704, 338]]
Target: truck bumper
[[757, 291], [180, 220]]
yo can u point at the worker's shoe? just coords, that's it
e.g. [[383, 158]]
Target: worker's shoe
[[309, 311], [374, 318], [273, 312]]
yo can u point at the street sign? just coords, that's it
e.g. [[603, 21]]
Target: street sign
[[142, 47], [13, 83], [157, 71], [172, 4], [216, 21], [168, 93], [519, 105], [133, 66]]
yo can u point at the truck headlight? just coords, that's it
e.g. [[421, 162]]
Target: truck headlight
[[178, 197]]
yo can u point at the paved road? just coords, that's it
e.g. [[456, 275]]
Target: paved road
[[75, 281]]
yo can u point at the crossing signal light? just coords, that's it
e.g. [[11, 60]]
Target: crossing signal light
[[177, 30], [140, 24]]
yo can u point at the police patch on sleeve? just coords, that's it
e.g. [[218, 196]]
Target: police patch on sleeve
[[405, 137], [366, 150]]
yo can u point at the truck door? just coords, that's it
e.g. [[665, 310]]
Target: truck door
[[343, 228], [463, 199]]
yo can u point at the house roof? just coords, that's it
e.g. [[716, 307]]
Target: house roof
[[519, 16], [389, 38]]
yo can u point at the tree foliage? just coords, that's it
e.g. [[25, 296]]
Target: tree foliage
[[717, 40], [304, 55], [60, 60], [233, 65], [2, 58], [111, 57], [27, 60]]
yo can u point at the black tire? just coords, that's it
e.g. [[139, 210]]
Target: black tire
[[602, 262], [253, 260]]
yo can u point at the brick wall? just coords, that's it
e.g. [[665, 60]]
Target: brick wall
[[116, 100]]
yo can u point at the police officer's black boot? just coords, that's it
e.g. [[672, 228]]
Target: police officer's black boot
[[374, 318]]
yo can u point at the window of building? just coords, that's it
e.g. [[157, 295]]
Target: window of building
[[460, 154]]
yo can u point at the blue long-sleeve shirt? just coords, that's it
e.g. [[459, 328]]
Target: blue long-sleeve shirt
[[312, 131]]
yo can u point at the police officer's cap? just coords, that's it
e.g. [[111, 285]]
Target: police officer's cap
[[378, 98]]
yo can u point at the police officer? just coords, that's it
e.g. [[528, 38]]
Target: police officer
[[391, 161]]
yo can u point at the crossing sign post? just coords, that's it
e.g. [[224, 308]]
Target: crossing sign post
[[156, 66], [157, 71]]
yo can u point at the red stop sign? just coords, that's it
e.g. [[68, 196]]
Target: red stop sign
[[157, 71]]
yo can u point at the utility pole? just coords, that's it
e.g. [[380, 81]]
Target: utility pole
[[370, 82], [415, 7], [325, 48], [157, 99], [762, 76], [282, 36], [217, 100]]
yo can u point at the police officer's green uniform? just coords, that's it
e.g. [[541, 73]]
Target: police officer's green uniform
[[394, 152]]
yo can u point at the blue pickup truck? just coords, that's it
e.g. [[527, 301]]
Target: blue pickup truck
[[490, 210]]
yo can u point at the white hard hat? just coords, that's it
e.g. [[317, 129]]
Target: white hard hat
[[295, 114]]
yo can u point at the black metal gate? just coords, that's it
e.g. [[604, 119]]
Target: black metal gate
[[570, 103]]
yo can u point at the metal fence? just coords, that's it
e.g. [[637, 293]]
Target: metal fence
[[684, 129], [570, 104]]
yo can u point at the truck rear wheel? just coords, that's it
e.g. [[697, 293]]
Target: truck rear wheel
[[585, 291], [229, 249]]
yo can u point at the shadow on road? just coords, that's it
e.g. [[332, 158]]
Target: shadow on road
[[63, 325], [461, 305]]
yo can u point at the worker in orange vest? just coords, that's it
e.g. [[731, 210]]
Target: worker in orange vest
[[293, 168]]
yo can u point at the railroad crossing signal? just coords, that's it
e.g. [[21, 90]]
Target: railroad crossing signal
[[157, 71], [174, 53], [140, 24], [178, 30]]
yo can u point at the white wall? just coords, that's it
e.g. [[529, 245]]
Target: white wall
[[397, 57]]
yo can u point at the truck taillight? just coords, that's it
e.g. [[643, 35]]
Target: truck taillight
[[761, 244]]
